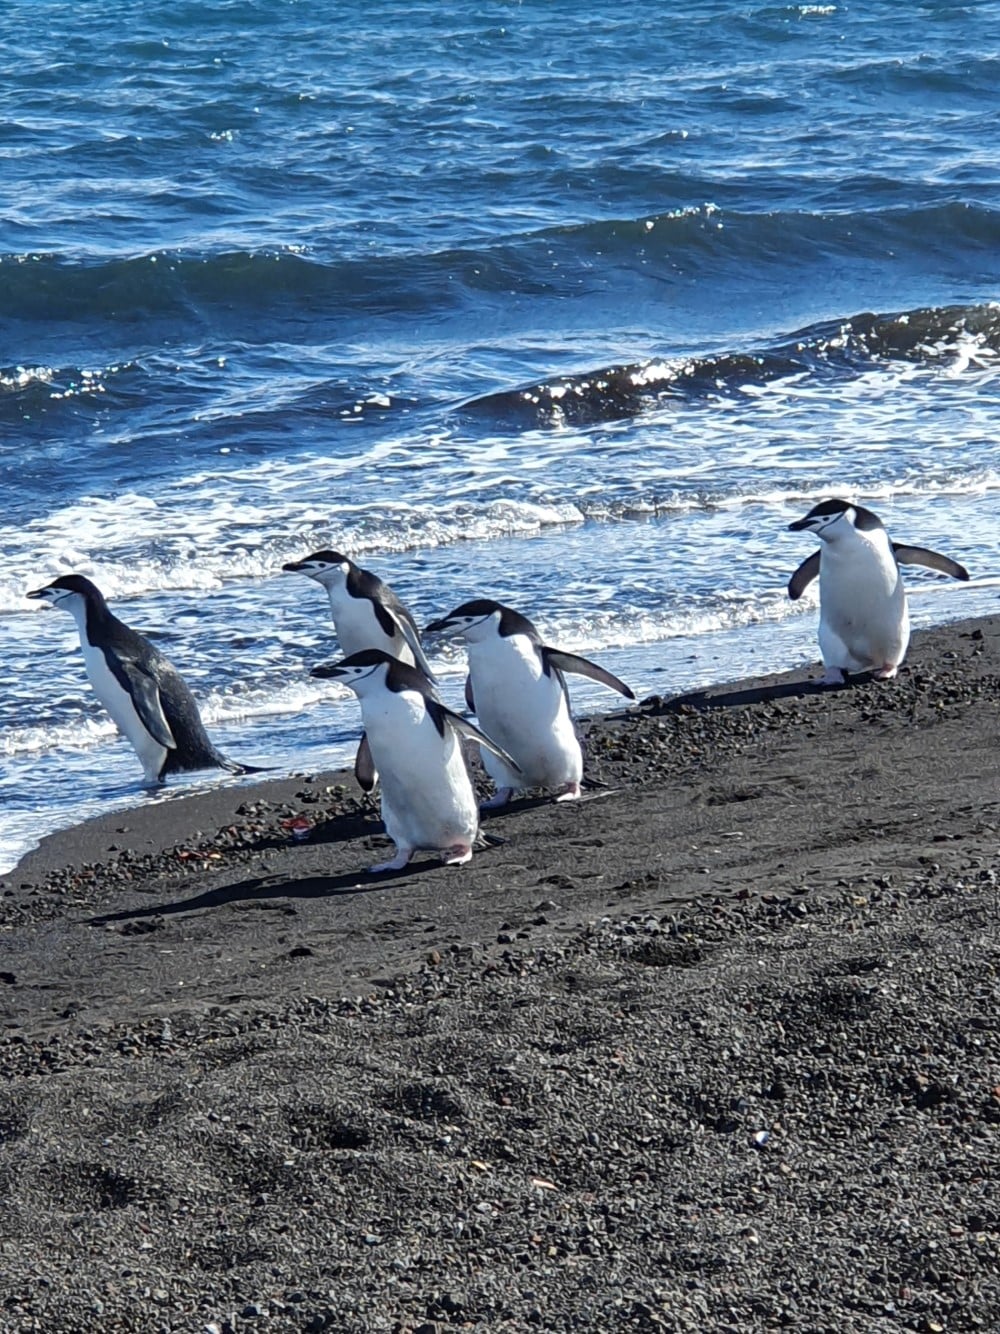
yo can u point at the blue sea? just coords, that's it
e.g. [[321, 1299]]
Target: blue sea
[[572, 306]]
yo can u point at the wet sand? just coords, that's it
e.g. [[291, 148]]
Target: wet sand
[[714, 1048]]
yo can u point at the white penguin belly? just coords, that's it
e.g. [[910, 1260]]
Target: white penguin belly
[[358, 628], [427, 795], [525, 711], [863, 613], [118, 703]]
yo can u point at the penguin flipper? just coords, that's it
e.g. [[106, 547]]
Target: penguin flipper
[[191, 747], [394, 618], [364, 765], [933, 560], [470, 700], [145, 692], [803, 576], [569, 662], [411, 635], [445, 717]]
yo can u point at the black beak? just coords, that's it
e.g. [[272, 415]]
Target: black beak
[[327, 671], [800, 525], [445, 623]]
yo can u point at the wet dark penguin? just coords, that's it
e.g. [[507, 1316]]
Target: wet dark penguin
[[864, 622], [517, 691], [427, 796], [140, 689]]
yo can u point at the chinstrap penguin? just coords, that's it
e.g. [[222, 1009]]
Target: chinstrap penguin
[[366, 614], [428, 801], [517, 690], [143, 692], [864, 621]]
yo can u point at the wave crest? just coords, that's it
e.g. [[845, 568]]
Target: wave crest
[[956, 336]]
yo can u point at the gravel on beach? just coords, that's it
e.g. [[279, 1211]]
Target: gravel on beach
[[712, 1049]]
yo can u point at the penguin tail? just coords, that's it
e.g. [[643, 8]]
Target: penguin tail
[[235, 768], [177, 763]]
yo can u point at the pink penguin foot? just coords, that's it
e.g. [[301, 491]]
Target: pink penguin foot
[[458, 854], [569, 792], [400, 860], [887, 672], [500, 798]]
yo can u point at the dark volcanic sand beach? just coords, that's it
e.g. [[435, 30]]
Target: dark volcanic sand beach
[[714, 1049]]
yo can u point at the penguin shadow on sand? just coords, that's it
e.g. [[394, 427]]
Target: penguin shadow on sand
[[731, 699], [367, 828], [532, 799], [268, 891], [363, 827]]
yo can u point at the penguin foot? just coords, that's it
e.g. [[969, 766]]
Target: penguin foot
[[500, 798], [886, 673], [400, 860], [458, 854], [834, 676], [569, 792]]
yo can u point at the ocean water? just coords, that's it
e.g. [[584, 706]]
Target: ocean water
[[571, 306]]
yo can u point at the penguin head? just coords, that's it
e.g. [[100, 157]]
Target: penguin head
[[828, 520], [832, 520], [360, 672], [69, 591], [329, 568], [473, 621]]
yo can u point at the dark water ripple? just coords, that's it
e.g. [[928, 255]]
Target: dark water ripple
[[217, 291]]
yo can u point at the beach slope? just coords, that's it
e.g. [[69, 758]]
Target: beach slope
[[714, 1048]]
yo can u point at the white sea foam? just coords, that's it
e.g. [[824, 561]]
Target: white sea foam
[[658, 546], [80, 735], [21, 376]]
